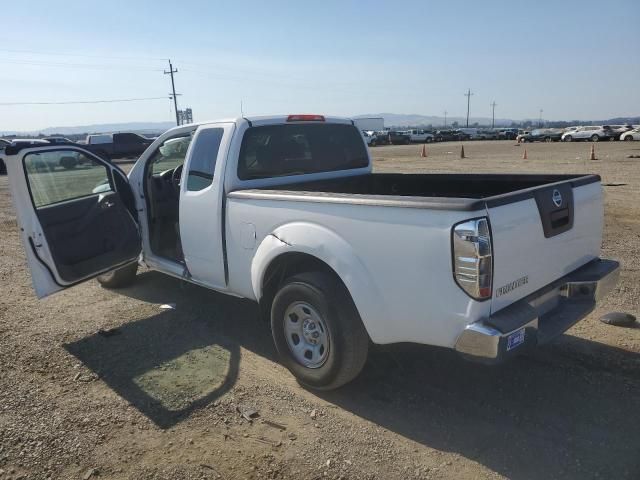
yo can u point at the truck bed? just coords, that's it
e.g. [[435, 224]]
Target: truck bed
[[440, 191]]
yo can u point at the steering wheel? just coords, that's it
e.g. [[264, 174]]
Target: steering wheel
[[175, 178]]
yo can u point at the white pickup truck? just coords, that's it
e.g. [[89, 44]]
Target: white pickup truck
[[286, 211]]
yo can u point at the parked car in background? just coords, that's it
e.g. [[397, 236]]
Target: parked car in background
[[45, 160], [507, 134], [489, 134], [59, 141], [618, 130], [592, 133], [398, 138], [368, 137], [3, 167], [450, 136], [420, 136], [631, 135], [470, 133], [117, 145], [379, 138], [542, 135], [522, 134]]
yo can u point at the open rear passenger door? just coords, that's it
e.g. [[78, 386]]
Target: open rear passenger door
[[75, 212]]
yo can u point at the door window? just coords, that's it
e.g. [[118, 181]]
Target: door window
[[62, 175], [170, 154], [203, 159]]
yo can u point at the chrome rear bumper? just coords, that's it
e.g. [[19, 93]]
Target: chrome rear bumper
[[541, 316]]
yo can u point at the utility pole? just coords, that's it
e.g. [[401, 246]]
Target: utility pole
[[445, 119], [493, 114], [173, 89], [540, 119], [468, 95]]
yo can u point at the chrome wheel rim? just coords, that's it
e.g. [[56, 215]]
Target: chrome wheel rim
[[307, 335]]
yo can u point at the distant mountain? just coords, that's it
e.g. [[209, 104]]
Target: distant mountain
[[139, 127], [390, 120]]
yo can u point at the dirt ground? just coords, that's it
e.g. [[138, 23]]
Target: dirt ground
[[158, 396]]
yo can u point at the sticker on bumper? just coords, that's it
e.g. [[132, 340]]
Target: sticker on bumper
[[515, 339]]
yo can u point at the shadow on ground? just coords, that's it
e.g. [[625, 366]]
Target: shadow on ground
[[177, 361], [571, 410]]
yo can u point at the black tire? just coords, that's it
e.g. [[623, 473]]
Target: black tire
[[68, 163], [595, 138], [348, 340], [628, 138], [3, 167], [568, 138], [547, 139], [120, 277]]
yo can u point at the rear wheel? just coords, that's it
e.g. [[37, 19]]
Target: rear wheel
[[120, 277], [595, 138], [3, 167], [318, 332], [568, 138], [547, 139], [628, 138]]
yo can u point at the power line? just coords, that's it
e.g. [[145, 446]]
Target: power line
[[84, 101]]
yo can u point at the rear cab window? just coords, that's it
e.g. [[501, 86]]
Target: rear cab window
[[298, 149]]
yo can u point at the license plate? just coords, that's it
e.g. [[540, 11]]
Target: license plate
[[515, 339]]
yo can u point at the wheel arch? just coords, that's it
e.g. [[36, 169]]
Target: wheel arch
[[302, 247]]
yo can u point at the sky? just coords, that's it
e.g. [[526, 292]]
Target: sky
[[572, 59]]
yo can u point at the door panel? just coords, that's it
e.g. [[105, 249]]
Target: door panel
[[75, 222], [89, 235], [202, 205]]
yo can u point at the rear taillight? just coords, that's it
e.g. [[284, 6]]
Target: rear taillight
[[305, 118], [472, 257]]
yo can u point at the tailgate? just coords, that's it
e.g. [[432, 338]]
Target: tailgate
[[543, 234]]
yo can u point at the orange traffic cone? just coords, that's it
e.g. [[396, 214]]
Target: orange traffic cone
[[524, 155], [424, 151], [593, 153], [462, 152]]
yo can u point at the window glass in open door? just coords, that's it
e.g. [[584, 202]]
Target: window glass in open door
[[76, 215]]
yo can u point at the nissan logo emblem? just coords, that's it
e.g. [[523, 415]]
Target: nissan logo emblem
[[557, 198]]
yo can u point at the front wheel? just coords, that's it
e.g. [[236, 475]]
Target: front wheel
[[628, 138], [595, 138], [568, 138], [120, 277], [318, 332]]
